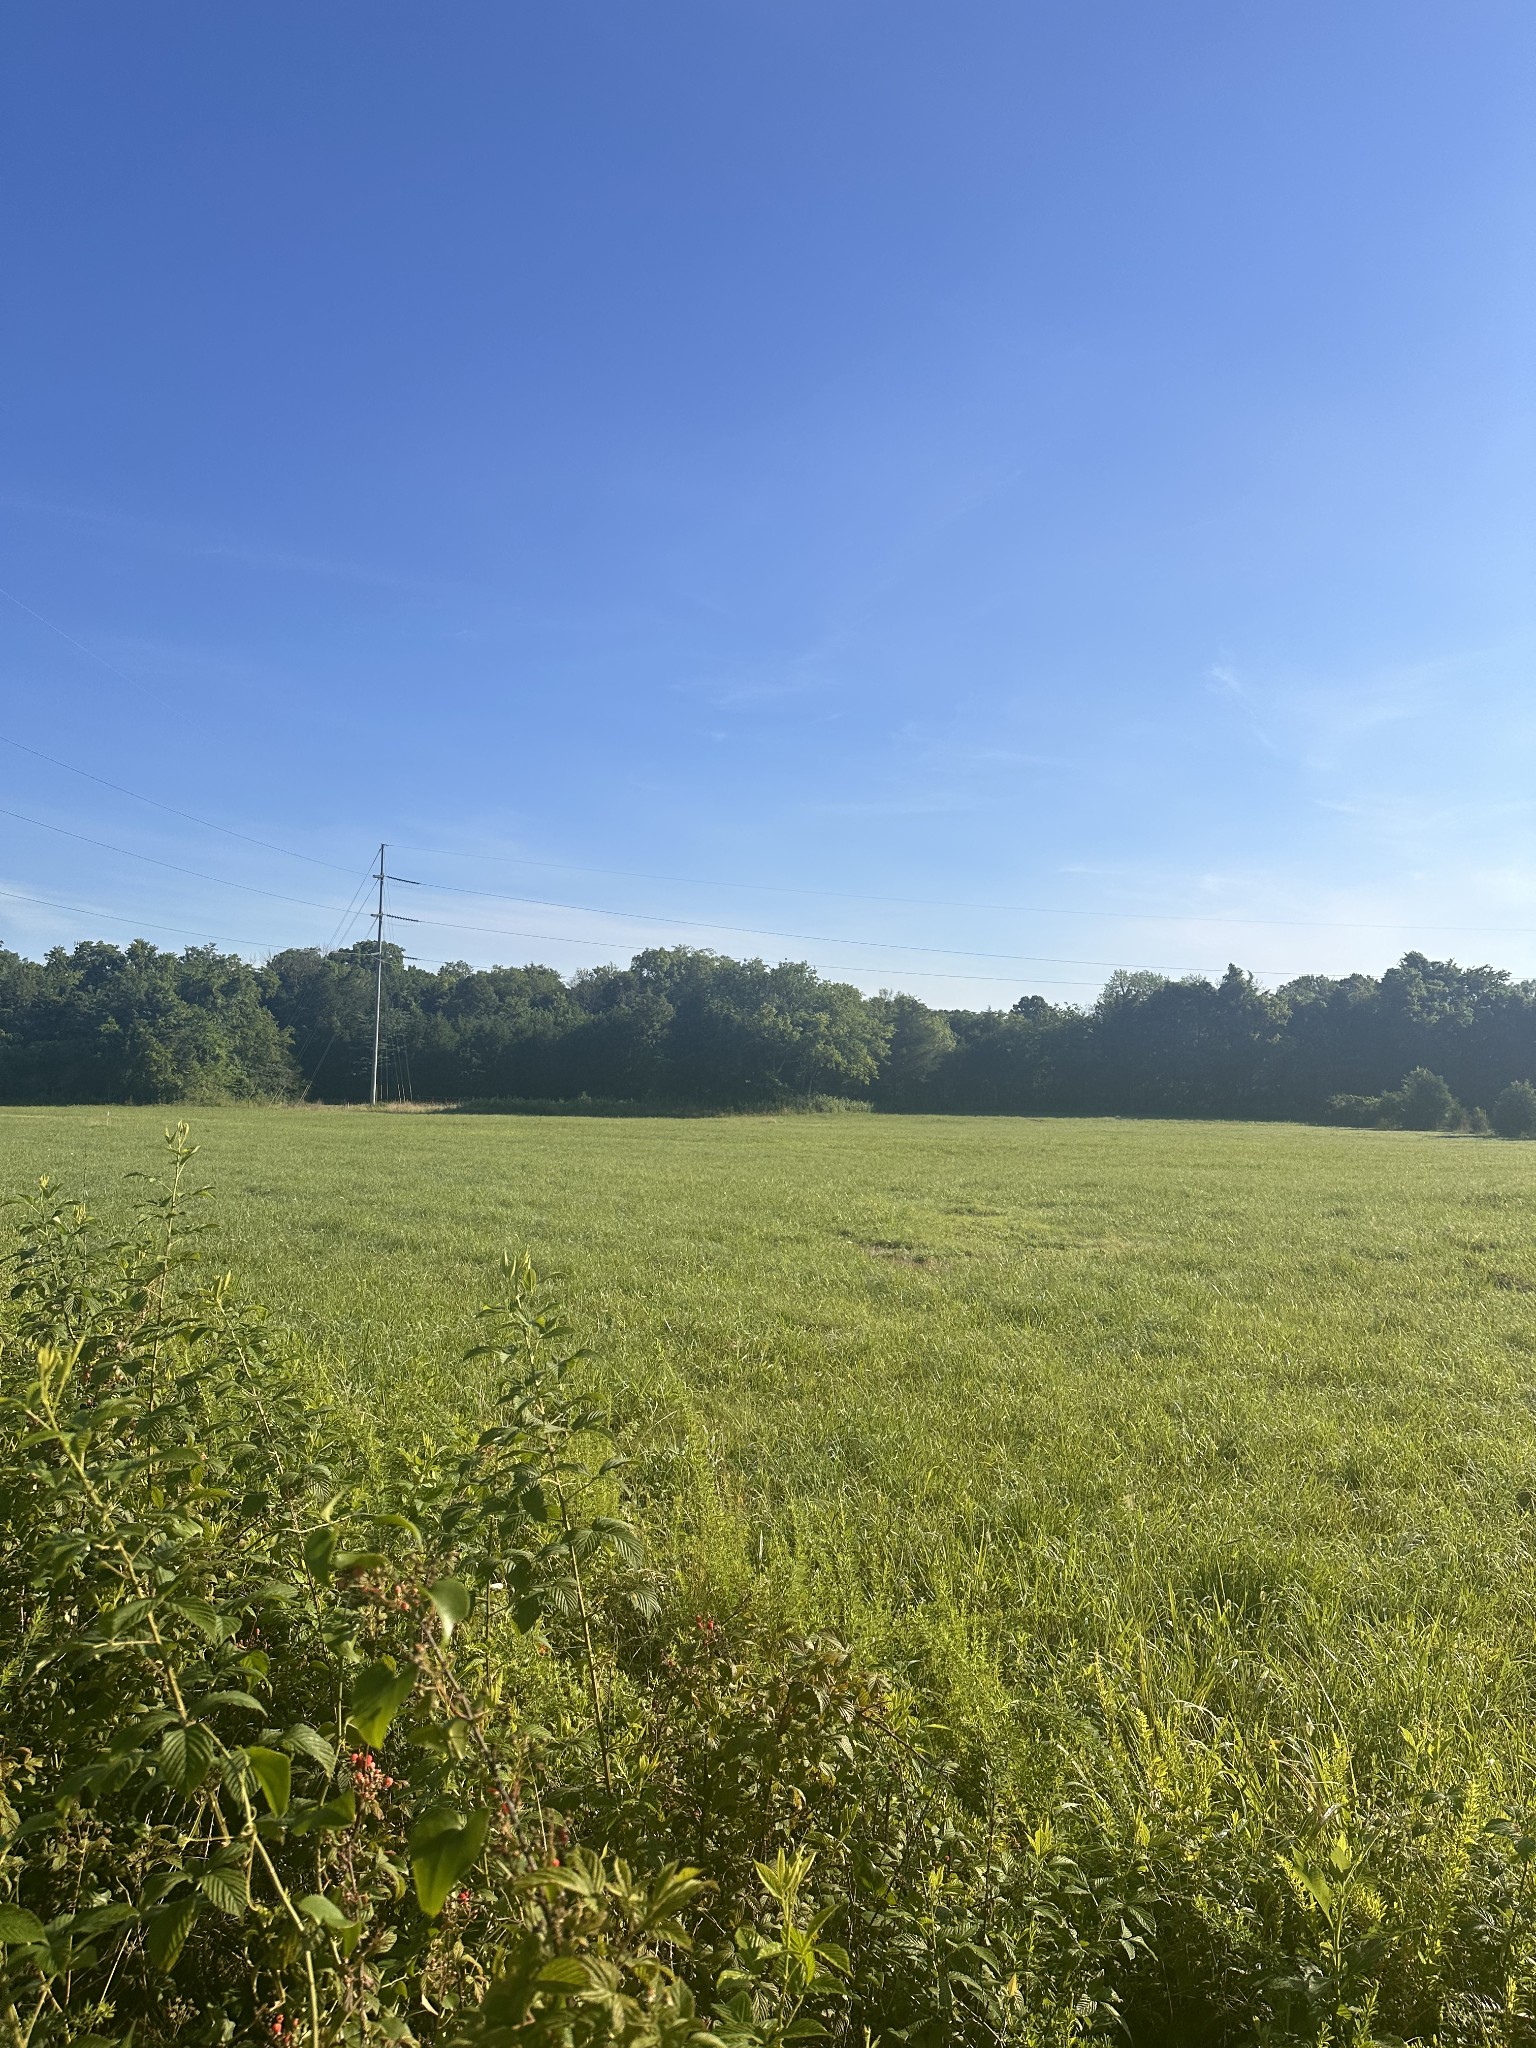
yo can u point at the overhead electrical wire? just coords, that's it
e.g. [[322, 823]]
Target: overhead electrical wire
[[951, 903], [133, 682], [547, 938], [763, 931], [587, 910], [208, 824], [828, 967], [768, 888], [347, 913], [142, 923], [129, 853], [809, 938]]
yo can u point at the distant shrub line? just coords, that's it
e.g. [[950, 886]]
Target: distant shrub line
[[1429, 1044]]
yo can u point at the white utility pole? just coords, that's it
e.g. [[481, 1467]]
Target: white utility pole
[[378, 983]]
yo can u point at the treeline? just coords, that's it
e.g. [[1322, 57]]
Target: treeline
[[1428, 1042]]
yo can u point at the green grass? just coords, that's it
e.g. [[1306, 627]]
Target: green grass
[[1176, 1465], [959, 1361]]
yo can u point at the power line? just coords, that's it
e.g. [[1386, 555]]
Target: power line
[[582, 909], [634, 917], [950, 903], [717, 882], [142, 923], [767, 931], [821, 967], [133, 682], [547, 938], [128, 853], [208, 824]]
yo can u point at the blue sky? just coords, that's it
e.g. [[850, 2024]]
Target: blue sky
[[967, 494]]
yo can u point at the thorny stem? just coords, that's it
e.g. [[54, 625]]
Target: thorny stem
[[293, 1912]]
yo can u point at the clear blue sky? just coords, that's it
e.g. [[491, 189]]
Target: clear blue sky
[[816, 464]]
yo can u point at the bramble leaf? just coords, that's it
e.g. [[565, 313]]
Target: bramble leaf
[[186, 1752], [453, 1601], [442, 1850], [378, 1693], [324, 1912], [17, 1927], [167, 1930], [203, 1614], [225, 1884], [564, 1973], [339, 1812], [320, 1551], [302, 1740], [273, 1772]]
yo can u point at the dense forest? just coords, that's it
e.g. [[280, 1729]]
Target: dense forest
[[1428, 1043]]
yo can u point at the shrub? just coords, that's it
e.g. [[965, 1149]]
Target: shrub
[[262, 1774], [1514, 1111], [1362, 1111], [1422, 1103]]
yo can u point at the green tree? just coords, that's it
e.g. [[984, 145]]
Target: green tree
[[920, 1041], [1422, 1103], [1514, 1111]]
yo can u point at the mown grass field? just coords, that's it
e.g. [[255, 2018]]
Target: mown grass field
[[1178, 1468]]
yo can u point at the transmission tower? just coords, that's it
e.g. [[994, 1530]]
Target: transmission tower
[[379, 916]]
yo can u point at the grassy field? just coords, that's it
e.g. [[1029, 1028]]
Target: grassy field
[[959, 1378], [1180, 1468]]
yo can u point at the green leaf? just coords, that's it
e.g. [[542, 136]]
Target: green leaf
[[203, 1614], [320, 1551], [377, 1696], [186, 1752], [453, 1601], [302, 1740], [324, 1912], [18, 1926], [623, 1537], [101, 1919], [273, 1772], [565, 1973], [230, 1699], [226, 1886], [339, 1812], [441, 1851], [359, 1561], [167, 1930]]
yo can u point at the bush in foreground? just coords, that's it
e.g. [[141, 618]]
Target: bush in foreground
[[262, 1772], [290, 1757]]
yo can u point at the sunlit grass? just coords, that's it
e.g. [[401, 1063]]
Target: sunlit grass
[[1179, 1466]]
